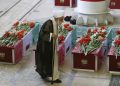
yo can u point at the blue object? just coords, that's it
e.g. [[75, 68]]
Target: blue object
[[35, 33]]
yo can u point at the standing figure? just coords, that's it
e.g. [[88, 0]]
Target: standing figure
[[46, 56]]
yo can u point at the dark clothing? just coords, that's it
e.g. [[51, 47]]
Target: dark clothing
[[44, 50]]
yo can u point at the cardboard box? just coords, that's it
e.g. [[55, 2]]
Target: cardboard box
[[12, 55], [68, 3], [92, 61], [114, 62]]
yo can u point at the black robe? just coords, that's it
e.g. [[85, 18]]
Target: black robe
[[44, 50]]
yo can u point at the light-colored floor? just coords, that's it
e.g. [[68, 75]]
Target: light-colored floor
[[23, 73]]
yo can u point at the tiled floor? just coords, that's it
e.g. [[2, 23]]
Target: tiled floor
[[23, 73]]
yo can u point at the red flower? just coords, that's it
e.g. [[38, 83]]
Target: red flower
[[85, 40], [6, 34], [103, 27], [20, 34], [61, 38], [16, 23], [81, 41], [66, 25], [95, 30], [87, 36], [69, 28], [117, 42], [118, 32], [32, 24]]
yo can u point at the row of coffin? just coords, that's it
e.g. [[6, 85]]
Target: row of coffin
[[94, 60], [19, 50], [15, 54]]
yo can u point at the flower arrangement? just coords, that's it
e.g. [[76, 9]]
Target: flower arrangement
[[63, 31], [17, 31], [92, 39], [116, 42]]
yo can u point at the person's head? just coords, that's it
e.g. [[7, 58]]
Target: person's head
[[59, 16]]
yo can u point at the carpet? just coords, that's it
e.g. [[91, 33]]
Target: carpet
[[115, 80]]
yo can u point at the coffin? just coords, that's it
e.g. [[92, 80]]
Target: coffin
[[68, 3], [92, 0], [12, 55], [92, 61], [30, 38], [114, 62]]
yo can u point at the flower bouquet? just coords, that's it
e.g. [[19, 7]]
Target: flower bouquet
[[92, 39], [17, 31], [114, 53], [63, 31], [12, 42], [116, 43]]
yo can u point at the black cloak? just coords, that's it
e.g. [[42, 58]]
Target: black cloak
[[44, 50]]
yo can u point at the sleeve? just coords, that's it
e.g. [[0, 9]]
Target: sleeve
[[47, 31], [50, 37]]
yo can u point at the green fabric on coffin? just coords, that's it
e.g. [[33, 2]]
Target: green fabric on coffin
[[35, 33], [73, 35], [80, 30]]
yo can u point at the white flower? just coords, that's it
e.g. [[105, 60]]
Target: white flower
[[99, 29], [95, 34], [117, 37], [103, 30], [92, 36], [92, 30], [113, 43]]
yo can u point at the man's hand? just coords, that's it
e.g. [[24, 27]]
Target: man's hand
[[54, 36]]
